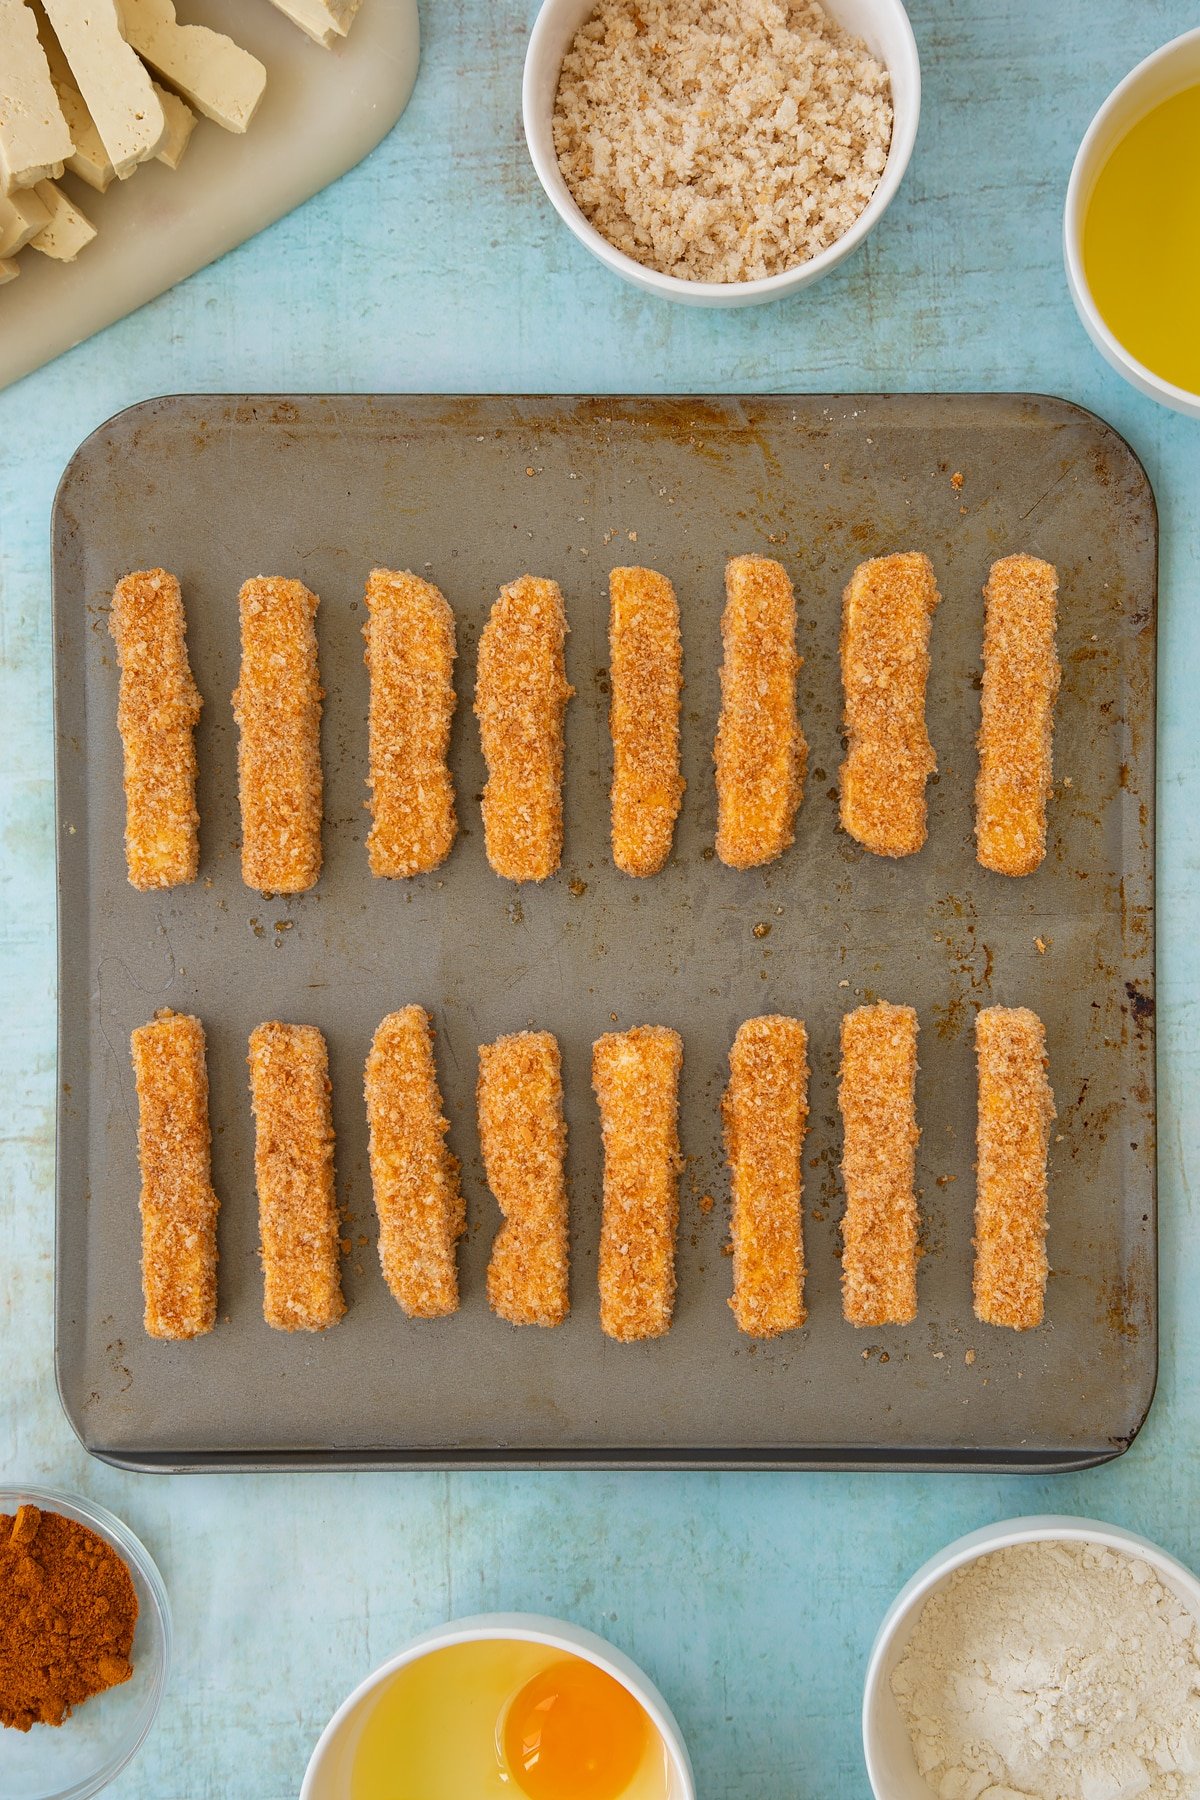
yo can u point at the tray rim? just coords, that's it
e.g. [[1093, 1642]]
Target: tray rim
[[951, 1460]]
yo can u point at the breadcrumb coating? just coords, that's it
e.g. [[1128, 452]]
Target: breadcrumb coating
[[157, 712], [761, 754], [1016, 1110], [877, 1096], [410, 654], [521, 694], [277, 705], [178, 1205], [646, 674], [765, 1111], [887, 610], [414, 1176], [1020, 683], [720, 140], [524, 1140], [293, 1167], [636, 1078]]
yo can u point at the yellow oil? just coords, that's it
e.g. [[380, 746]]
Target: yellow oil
[[505, 1720], [1141, 241]]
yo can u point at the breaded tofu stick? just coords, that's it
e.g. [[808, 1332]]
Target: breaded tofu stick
[[178, 1205], [646, 674], [157, 711], [524, 1140], [521, 694], [1016, 1109], [887, 610], [636, 1078], [765, 1110], [761, 754], [413, 1174], [1020, 682], [277, 704], [410, 654], [293, 1166], [877, 1096]]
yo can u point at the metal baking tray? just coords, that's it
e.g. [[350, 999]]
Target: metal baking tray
[[473, 491]]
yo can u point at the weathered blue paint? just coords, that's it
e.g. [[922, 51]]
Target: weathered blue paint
[[439, 265]]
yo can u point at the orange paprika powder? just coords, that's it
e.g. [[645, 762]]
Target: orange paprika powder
[[67, 1617]]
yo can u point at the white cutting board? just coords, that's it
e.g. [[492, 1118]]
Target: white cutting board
[[323, 110]]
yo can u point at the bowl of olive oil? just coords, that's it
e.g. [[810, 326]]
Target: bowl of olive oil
[[1131, 232], [506, 1706]]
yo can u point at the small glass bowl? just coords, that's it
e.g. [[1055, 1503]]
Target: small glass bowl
[[78, 1758]]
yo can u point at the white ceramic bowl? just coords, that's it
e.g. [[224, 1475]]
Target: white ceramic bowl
[[890, 1763], [87, 1752], [327, 1775], [1162, 74], [884, 28]]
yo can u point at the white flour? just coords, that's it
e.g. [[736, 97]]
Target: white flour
[[1054, 1672]]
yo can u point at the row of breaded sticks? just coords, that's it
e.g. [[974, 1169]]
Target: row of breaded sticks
[[522, 1131], [521, 697]]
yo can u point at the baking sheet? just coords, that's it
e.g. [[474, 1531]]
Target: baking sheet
[[472, 491]]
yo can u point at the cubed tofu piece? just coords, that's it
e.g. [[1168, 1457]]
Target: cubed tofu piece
[[22, 216], [323, 20], [35, 140], [115, 84], [217, 77], [89, 159], [69, 230], [181, 122]]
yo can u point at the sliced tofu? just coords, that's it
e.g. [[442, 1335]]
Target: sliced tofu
[[89, 159], [35, 140], [181, 122], [69, 230], [8, 270], [22, 216], [220, 79], [323, 20], [115, 85]]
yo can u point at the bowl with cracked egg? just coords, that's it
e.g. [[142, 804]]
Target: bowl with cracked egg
[[1048, 1657]]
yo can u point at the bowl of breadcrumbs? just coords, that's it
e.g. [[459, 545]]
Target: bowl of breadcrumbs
[[721, 152]]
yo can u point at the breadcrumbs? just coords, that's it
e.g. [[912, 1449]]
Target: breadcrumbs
[[636, 1078], [178, 1205], [293, 1170], [760, 752], [877, 1098], [765, 1110], [413, 1173], [157, 712], [277, 705], [1016, 1110], [524, 1141], [1020, 682], [410, 656], [521, 695], [887, 612], [646, 663], [720, 140]]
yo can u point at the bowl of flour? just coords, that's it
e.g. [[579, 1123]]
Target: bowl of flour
[[1040, 1659]]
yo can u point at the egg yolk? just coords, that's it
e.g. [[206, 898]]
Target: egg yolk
[[574, 1733]]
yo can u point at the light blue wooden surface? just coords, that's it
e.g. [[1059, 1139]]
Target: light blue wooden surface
[[438, 265]]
